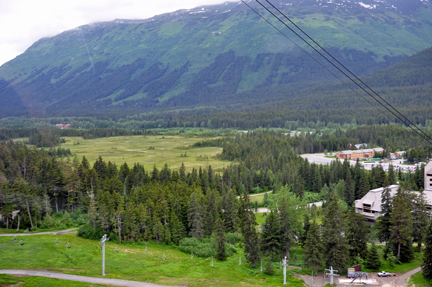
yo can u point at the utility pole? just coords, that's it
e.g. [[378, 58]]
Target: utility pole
[[102, 242]]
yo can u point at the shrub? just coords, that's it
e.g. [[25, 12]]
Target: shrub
[[206, 247], [87, 231]]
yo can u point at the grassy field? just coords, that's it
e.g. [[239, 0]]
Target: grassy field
[[84, 258], [12, 280], [417, 280], [139, 149]]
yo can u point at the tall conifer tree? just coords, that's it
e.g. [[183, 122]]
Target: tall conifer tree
[[427, 256], [249, 232], [336, 248], [220, 240], [383, 224], [400, 223], [357, 234], [313, 247], [420, 219], [270, 238], [196, 218]]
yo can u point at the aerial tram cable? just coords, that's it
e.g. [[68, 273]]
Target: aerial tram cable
[[348, 70], [306, 52], [396, 113]]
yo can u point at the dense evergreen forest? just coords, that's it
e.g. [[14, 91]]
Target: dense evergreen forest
[[200, 210]]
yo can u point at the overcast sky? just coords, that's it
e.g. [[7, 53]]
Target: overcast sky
[[23, 22]]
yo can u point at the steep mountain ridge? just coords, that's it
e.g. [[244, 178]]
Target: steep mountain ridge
[[203, 55]]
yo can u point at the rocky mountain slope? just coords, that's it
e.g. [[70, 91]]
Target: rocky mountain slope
[[206, 56]]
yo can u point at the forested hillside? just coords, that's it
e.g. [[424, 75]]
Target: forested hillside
[[200, 211], [219, 58]]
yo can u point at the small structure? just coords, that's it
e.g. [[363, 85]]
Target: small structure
[[362, 145]]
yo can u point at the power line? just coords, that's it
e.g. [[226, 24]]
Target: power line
[[398, 115], [349, 71]]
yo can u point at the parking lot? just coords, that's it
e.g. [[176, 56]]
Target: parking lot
[[320, 158]]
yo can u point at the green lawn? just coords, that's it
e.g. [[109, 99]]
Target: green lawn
[[258, 198], [84, 258], [11, 280], [139, 149], [417, 280]]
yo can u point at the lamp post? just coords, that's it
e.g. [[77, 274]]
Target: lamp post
[[102, 242]]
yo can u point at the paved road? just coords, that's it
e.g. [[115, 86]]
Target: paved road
[[41, 233], [93, 280], [263, 209], [257, 194]]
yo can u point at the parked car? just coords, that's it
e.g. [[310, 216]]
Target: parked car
[[384, 274]]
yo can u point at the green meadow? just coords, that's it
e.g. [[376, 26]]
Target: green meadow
[[131, 262], [147, 150]]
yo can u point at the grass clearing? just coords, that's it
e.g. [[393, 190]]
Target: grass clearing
[[147, 150], [85, 256], [417, 280]]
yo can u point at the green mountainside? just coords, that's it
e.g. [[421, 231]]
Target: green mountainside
[[223, 58]]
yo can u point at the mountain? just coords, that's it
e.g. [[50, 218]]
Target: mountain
[[221, 56]]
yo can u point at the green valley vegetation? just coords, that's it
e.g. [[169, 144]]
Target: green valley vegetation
[[197, 211]]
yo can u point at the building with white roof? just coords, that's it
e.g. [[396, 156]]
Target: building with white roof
[[370, 204]]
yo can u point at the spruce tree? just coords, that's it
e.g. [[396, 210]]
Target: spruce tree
[[336, 248], [349, 189], [313, 247], [363, 187], [373, 259], [220, 240], [306, 227], [196, 218], [271, 237], [176, 228], [231, 218], [249, 232], [420, 219], [427, 255], [400, 223], [211, 214], [269, 270], [391, 175], [383, 223], [357, 234]]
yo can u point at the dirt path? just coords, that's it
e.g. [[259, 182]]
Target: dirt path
[[399, 281], [93, 280], [41, 233]]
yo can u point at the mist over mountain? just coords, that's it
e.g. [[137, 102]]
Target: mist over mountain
[[221, 56]]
